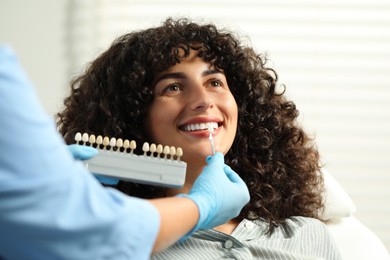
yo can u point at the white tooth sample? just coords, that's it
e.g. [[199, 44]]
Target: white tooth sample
[[133, 145], [166, 151], [92, 139], [210, 128], [172, 151], [112, 143], [211, 138], [126, 144], [153, 149], [202, 126], [119, 144], [77, 137], [159, 149], [85, 138], [106, 142], [179, 153], [99, 141], [145, 148]]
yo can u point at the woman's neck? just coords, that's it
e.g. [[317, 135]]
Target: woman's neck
[[193, 171], [228, 227]]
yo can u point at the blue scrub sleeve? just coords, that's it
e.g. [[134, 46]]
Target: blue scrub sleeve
[[50, 206]]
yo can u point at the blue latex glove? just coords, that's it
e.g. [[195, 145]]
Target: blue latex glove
[[82, 152], [219, 193]]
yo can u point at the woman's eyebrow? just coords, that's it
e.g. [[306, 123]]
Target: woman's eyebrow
[[210, 72], [173, 75], [182, 75]]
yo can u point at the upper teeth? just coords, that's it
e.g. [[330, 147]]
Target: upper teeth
[[201, 126]]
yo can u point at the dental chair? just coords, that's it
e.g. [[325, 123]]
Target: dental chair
[[354, 240]]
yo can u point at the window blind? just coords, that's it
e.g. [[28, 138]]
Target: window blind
[[333, 56]]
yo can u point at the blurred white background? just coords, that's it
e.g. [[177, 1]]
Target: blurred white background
[[333, 56]]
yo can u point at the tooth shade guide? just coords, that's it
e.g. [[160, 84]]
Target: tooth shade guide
[[127, 147], [155, 169]]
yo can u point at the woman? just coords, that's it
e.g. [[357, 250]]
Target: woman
[[167, 85]]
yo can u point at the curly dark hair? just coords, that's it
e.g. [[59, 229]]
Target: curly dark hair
[[271, 152]]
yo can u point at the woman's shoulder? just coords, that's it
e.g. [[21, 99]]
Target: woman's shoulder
[[295, 226]]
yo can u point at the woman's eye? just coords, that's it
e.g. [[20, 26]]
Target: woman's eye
[[216, 83], [170, 89]]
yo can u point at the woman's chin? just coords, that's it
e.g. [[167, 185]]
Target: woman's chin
[[196, 157]]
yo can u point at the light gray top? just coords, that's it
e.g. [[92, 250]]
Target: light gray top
[[298, 238]]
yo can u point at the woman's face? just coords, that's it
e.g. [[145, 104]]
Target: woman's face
[[187, 98]]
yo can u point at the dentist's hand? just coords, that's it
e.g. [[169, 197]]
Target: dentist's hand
[[82, 152], [219, 193]]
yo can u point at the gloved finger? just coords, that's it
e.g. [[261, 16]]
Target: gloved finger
[[232, 175], [107, 180], [216, 158], [81, 152], [235, 178]]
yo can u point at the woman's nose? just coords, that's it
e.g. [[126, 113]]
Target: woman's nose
[[201, 99]]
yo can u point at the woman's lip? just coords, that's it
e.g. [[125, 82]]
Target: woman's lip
[[202, 133], [199, 120]]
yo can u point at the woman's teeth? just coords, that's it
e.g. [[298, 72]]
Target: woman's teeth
[[201, 126]]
